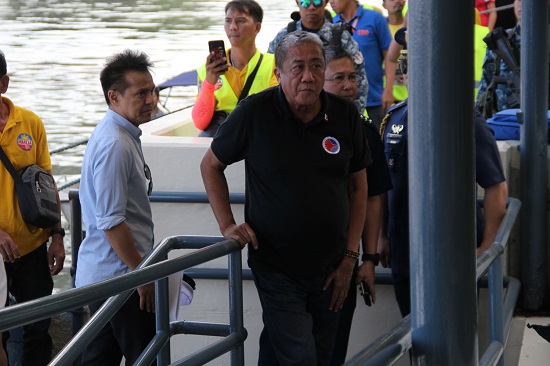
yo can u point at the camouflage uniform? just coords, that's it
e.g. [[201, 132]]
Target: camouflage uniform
[[502, 90], [349, 44]]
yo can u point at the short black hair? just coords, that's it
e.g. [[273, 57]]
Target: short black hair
[[249, 7], [3, 64], [113, 74]]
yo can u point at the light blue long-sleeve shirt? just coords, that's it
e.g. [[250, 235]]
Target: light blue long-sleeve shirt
[[113, 190]]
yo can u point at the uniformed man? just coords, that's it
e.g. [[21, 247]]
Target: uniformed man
[[489, 175]]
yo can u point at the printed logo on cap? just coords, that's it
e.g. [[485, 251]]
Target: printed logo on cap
[[24, 141], [331, 145]]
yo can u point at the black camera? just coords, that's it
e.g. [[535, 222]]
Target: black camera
[[402, 63]]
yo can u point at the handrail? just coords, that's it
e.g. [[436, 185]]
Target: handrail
[[497, 247], [35, 310], [387, 349], [122, 286], [190, 197], [390, 347]]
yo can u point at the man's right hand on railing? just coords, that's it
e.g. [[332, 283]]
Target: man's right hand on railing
[[243, 233]]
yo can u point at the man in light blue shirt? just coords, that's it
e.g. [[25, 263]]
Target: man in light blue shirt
[[114, 190]]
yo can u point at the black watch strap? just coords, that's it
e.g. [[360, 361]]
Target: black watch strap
[[374, 258], [59, 230]]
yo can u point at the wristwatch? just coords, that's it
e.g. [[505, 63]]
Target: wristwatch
[[374, 258], [59, 230]]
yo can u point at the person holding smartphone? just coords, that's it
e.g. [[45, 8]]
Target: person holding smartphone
[[229, 76]]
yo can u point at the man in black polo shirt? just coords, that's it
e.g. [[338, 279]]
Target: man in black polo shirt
[[305, 157]]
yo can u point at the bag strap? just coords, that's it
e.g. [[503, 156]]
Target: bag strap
[[250, 79], [9, 166]]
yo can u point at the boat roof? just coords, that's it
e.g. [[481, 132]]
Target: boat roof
[[184, 79]]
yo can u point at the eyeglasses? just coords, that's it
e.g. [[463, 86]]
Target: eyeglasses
[[340, 79], [149, 178], [306, 3]]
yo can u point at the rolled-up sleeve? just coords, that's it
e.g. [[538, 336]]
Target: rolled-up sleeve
[[112, 163]]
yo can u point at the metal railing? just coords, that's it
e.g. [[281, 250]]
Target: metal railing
[[386, 350], [390, 347], [120, 288]]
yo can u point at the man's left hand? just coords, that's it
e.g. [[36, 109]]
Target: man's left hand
[[56, 255], [342, 280], [365, 273]]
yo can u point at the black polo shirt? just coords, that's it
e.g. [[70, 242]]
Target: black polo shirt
[[297, 177]]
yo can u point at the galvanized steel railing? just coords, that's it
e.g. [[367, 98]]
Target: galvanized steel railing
[[386, 350], [155, 267], [390, 347]]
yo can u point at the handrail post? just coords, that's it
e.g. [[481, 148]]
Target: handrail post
[[236, 322], [496, 303], [534, 153], [441, 184], [76, 238], [162, 307]]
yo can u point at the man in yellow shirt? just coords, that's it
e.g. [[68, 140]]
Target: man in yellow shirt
[[28, 262]]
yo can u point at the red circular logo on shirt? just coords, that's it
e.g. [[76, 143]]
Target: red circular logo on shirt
[[24, 141], [331, 145]]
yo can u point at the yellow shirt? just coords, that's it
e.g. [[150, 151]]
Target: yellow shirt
[[24, 142], [237, 78]]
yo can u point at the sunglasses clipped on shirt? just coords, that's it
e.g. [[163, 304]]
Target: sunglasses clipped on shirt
[[148, 176], [306, 3]]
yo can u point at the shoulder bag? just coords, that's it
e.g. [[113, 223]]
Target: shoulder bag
[[36, 194]]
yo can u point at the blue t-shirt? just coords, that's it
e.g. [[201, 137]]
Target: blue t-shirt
[[373, 35]]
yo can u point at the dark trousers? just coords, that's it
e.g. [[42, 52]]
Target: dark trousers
[[127, 334], [29, 278], [299, 329], [344, 324]]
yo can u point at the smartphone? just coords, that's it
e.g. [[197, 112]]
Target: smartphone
[[218, 47], [365, 292]]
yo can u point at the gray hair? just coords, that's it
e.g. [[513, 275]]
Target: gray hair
[[333, 53], [294, 39]]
